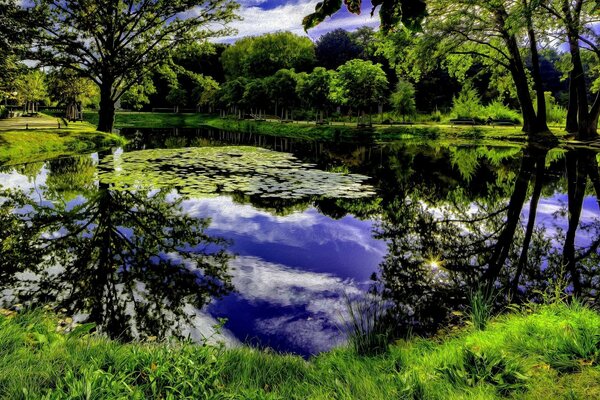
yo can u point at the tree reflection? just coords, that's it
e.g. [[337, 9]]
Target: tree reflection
[[444, 244], [131, 260]]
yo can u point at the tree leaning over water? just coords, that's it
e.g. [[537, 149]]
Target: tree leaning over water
[[116, 43]]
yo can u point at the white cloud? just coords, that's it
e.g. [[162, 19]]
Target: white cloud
[[321, 295], [288, 17]]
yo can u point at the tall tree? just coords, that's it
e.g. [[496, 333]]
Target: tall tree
[[575, 22], [262, 56], [335, 48], [116, 43], [360, 84]]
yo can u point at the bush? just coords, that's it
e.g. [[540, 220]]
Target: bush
[[554, 112], [467, 104], [497, 110], [3, 112]]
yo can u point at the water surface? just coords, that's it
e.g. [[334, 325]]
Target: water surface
[[184, 229]]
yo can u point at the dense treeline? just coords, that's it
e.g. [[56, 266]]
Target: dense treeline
[[476, 59]]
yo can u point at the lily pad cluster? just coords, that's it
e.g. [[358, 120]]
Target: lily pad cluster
[[206, 171]]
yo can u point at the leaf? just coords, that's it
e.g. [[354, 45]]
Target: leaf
[[82, 330]]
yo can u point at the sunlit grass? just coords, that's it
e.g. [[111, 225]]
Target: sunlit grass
[[21, 146], [549, 352]]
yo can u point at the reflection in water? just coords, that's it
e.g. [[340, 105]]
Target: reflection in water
[[129, 260], [436, 222], [442, 248]]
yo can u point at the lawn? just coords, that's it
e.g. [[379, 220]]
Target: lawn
[[44, 140], [536, 352]]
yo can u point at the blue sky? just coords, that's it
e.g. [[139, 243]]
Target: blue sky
[[265, 16]]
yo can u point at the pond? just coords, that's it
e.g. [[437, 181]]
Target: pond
[[249, 239]]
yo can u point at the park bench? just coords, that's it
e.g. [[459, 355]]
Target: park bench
[[463, 121], [501, 121]]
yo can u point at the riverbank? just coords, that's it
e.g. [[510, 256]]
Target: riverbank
[[550, 352], [43, 139], [308, 130]]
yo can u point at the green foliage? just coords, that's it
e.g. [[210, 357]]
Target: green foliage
[[497, 110], [32, 87], [403, 99], [117, 43], [467, 104], [66, 86], [391, 13], [138, 94], [481, 308], [509, 359], [262, 56], [282, 87], [313, 88], [359, 83], [366, 329], [177, 96], [555, 113]]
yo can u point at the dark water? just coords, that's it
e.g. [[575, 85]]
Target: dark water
[[277, 236]]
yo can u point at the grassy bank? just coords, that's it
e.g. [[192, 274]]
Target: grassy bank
[[309, 130], [549, 352], [20, 146]]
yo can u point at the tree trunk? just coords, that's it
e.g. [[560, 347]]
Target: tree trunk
[[541, 117], [533, 205], [572, 125], [586, 129], [576, 180], [106, 114], [517, 69], [515, 206]]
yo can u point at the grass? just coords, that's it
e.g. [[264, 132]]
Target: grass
[[550, 352], [19, 146], [309, 130]]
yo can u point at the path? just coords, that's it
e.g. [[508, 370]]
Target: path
[[40, 121]]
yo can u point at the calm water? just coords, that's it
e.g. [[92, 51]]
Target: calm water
[[276, 236]]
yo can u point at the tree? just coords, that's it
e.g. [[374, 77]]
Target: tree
[[336, 48], [131, 261], [366, 40], [574, 22], [205, 91], [282, 90], [31, 88], [403, 99], [262, 56], [490, 35], [360, 84], [116, 43], [15, 35], [231, 94], [139, 94], [66, 86], [177, 97], [314, 88], [256, 95]]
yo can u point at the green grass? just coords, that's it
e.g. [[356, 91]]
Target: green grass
[[542, 352], [21, 146], [310, 131]]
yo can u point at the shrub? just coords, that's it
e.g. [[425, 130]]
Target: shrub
[[497, 110], [467, 104], [554, 112]]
